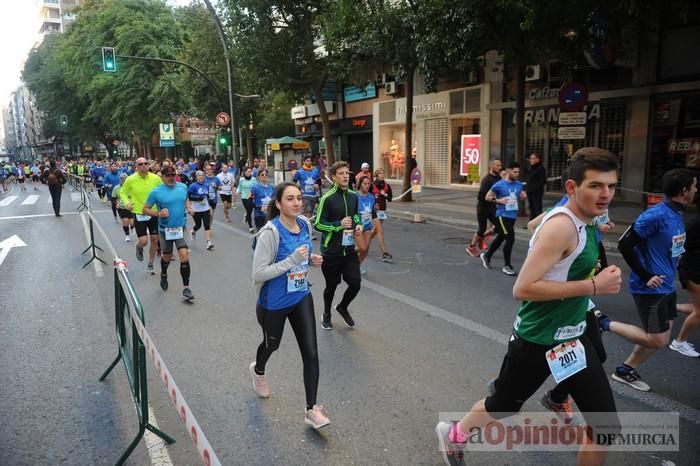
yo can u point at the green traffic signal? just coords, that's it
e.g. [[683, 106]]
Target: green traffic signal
[[222, 140], [109, 62]]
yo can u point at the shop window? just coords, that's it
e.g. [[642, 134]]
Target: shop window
[[392, 139], [456, 102], [458, 127], [473, 101]]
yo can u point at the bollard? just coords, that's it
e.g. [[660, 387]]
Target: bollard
[[417, 217]]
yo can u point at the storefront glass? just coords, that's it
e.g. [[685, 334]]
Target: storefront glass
[[458, 127], [392, 139]]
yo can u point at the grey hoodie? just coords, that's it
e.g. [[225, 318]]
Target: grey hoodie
[[264, 266]]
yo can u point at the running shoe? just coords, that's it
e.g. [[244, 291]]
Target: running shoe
[[492, 387], [149, 268], [685, 348], [386, 257], [127, 239], [210, 245], [508, 270], [139, 254], [472, 251], [452, 452], [630, 377], [193, 234], [163, 282], [345, 315], [260, 385], [228, 220], [564, 410], [187, 295], [316, 418], [363, 271], [326, 322], [485, 261], [251, 230], [314, 237]]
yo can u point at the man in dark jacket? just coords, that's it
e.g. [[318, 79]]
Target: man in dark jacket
[[338, 220], [535, 182], [485, 210], [55, 179]]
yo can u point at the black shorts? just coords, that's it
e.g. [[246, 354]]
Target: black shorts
[[524, 370], [689, 270], [88, 179], [123, 213], [656, 310], [146, 227], [35, 178], [20, 180], [166, 245], [212, 203], [225, 198]]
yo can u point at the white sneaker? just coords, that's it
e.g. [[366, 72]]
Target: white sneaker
[[259, 382], [127, 239], [316, 418], [685, 348]]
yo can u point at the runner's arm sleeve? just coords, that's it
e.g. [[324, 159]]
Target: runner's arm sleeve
[[629, 240], [322, 223], [264, 266], [124, 192]]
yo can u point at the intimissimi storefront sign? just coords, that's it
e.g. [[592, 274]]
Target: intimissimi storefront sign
[[551, 115]]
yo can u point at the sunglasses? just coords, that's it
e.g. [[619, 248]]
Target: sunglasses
[[169, 174], [142, 163]]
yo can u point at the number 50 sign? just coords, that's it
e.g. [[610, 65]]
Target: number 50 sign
[[470, 152]]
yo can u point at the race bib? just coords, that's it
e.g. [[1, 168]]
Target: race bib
[[512, 203], [366, 218], [309, 186], [143, 218], [173, 233], [203, 203], [678, 245], [296, 278], [566, 360], [265, 203], [348, 238], [212, 193], [381, 214], [602, 219]]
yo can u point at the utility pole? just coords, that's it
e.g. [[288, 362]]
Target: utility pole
[[220, 28]]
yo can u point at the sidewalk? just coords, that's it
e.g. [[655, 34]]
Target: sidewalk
[[457, 207]]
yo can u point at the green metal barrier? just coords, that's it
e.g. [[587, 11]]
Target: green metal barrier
[[132, 352], [92, 247]]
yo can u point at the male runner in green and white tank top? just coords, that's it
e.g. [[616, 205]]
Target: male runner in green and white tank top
[[549, 338]]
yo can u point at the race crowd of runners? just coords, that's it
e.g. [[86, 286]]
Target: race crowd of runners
[[558, 327]]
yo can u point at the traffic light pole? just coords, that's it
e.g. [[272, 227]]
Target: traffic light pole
[[220, 28]]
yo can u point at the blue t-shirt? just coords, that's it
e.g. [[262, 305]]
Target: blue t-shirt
[[111, 179], [661, 227], [262, 196], [213, 182], [308, 180], [275, 294], [172, 199], [98, 174], [192, 165], [366, 209], [503, 188]]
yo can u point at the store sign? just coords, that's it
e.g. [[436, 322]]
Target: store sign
[[426, 110], [359, 123], [201, 135], [551, 115], [690, 147], [572, 118], [470, 153], [353, 93], [544, 93], [299, 112], [571, 132]]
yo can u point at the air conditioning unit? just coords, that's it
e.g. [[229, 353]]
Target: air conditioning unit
[[390, 88], [533, 73]]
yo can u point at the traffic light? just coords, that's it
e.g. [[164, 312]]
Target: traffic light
[[109, 61], [63, 119]]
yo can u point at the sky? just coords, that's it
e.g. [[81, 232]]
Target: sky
[[19, 26]]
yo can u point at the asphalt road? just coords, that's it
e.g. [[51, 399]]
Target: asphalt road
[[430, 333]]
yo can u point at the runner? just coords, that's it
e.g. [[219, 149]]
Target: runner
[[309, 179], [261, 194], [171, 198], [133, 193], [280, 268], [3, 178], [338, 220], [364, 171], [126, 217], [98, 175], [87, 176], [652, 247], [554, 284], [485, 210], [21, 176], [198, 194], [55, 179], [368, 214], [382, 194], [213, 183], [35, 171], [505, 193], [227, 183], [111, 180], [245, 184]]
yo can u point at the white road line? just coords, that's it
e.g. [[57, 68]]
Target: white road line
[[156, 446], [75, 197], [651, 399], [16, 217], [7, 201], [31, 199], [99, 272]]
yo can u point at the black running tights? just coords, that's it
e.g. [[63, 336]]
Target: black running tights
[[506, 232], [302, 319], [248, 205]]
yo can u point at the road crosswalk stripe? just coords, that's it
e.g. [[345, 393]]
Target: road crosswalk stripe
[[7, 201], [31, 199], [75, 197]]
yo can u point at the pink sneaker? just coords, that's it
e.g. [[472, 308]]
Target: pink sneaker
[[316, 418], [259, 383]]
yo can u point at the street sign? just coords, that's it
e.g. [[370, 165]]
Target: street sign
[[292, 165], [571, 132], [470, 152], [223, 119], [572, 118], [573, 97], [167, 135], [416, 176]]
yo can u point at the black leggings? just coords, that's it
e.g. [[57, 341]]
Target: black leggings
[[248, 205], [113, 202], [333, 268], [506, 232], [559, 393], [202, 218], [482, 218], [303, 321]]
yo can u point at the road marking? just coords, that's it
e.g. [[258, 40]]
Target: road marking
[[16, 217], [652, 399], [30, 200], [75, 197], [99, 272], [12, 242], [156, 446], [7, 201]]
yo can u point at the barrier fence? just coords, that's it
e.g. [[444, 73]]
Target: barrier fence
[[133, 345]]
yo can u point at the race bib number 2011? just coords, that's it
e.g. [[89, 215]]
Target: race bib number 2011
[[566, 359]]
